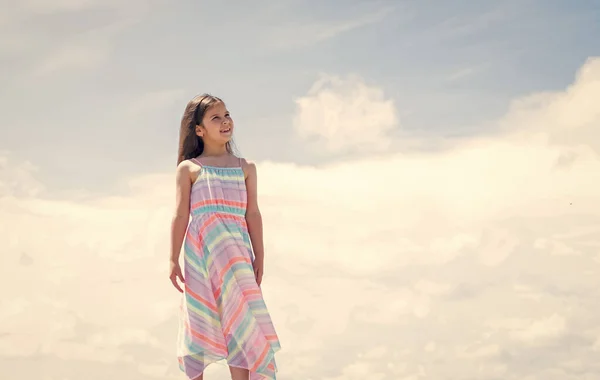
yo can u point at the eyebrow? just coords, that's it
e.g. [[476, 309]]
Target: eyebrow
[[216, 114]]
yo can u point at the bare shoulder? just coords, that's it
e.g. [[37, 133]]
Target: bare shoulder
[[187, 169], [249, 167], [183, 167]]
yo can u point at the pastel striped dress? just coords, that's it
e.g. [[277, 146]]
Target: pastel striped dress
[[223, 314]]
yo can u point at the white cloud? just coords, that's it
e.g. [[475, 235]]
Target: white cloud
[[403, 266], [537, 331], [565, 118], [346, 114], [479, 351], [18, 179], [596, 346]]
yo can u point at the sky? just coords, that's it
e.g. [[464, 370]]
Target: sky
[[427, 173]]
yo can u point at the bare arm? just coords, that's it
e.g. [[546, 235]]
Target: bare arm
[[181, 217], [253, 216]]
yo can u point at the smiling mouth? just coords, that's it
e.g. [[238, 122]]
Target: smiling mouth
[[226, 130]]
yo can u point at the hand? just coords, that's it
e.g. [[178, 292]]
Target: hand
[[258, 270], [175, 271]]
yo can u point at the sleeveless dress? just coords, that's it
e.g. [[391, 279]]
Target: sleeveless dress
[[222, 314]]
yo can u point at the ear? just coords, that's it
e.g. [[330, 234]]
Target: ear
[[199, 131]]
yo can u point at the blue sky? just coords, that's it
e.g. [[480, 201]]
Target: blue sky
[[450, 67]]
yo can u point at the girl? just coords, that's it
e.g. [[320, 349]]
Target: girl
[[223, 314]]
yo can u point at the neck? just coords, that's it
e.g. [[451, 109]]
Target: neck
[[215, 150]]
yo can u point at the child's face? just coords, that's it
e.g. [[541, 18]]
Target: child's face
[[217, 125]]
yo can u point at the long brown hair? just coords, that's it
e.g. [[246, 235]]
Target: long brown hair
[[190, 144]]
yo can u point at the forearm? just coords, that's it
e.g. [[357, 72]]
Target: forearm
[[255, 229], [178, 230]]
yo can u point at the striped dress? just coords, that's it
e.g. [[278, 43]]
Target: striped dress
[[223, 314]]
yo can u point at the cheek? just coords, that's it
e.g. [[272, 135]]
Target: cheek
[[213, 128]]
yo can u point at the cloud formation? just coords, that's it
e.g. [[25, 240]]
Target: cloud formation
[[346, 115], [477, 261]]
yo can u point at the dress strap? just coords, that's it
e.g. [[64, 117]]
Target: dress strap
[[194, 160], [240, 160]]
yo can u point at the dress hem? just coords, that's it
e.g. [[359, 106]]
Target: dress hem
[[222, 358]]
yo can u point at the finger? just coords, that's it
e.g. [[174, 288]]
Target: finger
[[180, 275], [176, 285]]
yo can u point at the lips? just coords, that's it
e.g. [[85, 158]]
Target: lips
[[226, 130]]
